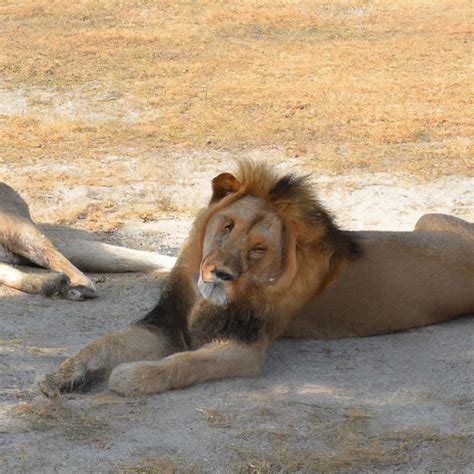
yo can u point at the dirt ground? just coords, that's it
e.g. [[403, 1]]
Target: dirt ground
[[115, 116], [400, 402], [394, 403]]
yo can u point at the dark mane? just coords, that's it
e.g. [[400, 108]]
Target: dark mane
[[293, 197]]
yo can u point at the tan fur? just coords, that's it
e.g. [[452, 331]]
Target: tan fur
[[22, 242], [404, 280], [264, 260], [48, 284], [211, 362], [444, 223], [21, 236], [95, 361]]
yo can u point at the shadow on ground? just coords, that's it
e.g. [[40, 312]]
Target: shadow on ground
[[402, 401]]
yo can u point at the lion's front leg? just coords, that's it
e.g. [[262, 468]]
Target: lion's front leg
[[216, 360], [94, 362]]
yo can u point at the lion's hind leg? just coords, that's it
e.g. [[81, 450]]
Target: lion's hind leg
[[216, 360], [20, 235], [32, 244], [47, 284], [445, 223], [94, 362]]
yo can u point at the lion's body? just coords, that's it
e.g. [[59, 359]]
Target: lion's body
[[22, 242], [265, 260], [404, 280]]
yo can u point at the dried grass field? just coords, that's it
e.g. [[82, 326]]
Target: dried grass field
[[115, 114], [115, 93]]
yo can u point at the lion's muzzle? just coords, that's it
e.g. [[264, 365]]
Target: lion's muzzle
[[214, 292], [215, 273]]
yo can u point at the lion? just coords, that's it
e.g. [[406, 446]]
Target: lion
[[23, 243], [263, 261]]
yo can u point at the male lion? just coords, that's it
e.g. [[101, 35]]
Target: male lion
[[254, 269]]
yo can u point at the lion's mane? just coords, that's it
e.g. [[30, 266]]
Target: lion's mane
[[315, 249]]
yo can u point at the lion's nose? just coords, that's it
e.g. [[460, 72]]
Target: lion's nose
[[223, 274]]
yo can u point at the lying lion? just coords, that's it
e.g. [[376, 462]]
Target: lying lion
[[263, 261], [22, 242]]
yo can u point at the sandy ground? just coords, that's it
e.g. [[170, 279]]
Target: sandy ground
[[400, 402], [370, 201], [115, 115]]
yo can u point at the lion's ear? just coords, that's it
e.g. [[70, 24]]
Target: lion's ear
[[223, 185]]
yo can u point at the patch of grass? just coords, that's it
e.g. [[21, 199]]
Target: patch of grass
[[215, 418], [351, 446], [388, 451], [55, 415], [165, 204], [166, 463], [16, 342]]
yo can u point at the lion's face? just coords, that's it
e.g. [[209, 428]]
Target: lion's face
[[243, 247]]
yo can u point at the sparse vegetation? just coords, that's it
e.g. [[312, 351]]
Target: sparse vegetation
[[45, 416], [166, 463], [216, 418], [343, 86], [354, 449]]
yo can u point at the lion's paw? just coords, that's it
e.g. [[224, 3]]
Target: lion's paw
[[74, 374], [55, 285], [140, 378], [49, 386], [80, 293]]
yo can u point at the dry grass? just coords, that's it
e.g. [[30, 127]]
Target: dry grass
[[391, 452], [43, 416], [165, 463], [354, 449], [344, 85], [215, 418]]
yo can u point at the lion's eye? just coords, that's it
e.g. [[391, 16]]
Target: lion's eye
[[228, 227], [257, 252]]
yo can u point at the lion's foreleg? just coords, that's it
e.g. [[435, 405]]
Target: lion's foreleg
[[94, 362], [159, 334], [216, 360]]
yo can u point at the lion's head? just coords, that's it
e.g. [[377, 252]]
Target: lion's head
[[266, 237], [243, 246]]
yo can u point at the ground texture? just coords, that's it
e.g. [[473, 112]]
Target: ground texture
[[117, 94], [396, 402], [115, 115]]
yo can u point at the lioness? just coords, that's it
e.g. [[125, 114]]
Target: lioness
[[22, 242], [258, 265]]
